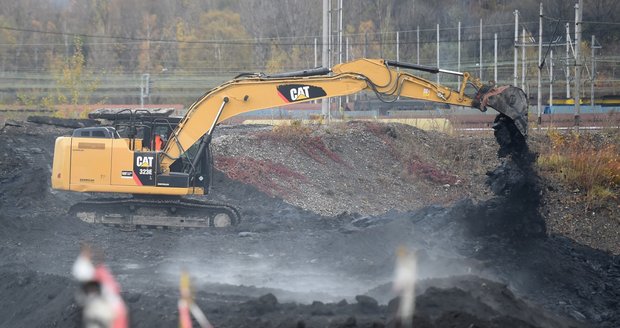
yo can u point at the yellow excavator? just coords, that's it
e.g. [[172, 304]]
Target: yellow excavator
[[100, 160]]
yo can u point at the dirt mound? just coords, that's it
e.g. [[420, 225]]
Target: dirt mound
[[356, 167], [481, 302], [34, 299], [63, 122], [459, 301]]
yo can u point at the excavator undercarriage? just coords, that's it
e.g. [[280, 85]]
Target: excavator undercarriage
[[156, 212]]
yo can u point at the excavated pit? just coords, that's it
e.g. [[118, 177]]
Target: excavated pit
[[486, 263]]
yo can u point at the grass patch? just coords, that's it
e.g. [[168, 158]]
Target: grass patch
[[584, 161]]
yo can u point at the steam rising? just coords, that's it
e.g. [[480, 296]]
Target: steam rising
[[303, 283]]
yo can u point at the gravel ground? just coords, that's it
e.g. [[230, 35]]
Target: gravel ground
[[485, 253]]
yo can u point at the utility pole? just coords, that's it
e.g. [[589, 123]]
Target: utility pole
[[523, 60], [480, 49], [324, 55], [592, 74], [148, 45], [567, 61], [330, 36], [398, 52], [539, 87], [437, 52], [515, 75], [418, 44], [366, 45], [315, 53], [397, 46], [340, 46], [577, 93], [145, 88], [551, 81], [593, 46], [346, 58], [315, 59], [495, 58], [458, 62], [340, 31]]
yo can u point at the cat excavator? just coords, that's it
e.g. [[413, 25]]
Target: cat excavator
[[124, 159]]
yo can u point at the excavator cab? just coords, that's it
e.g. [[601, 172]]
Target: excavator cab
[[124, 158], [148, 135]]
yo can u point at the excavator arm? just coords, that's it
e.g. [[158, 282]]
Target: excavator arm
[[251, 92]]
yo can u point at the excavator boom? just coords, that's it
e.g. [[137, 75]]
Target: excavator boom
[[258, 91]]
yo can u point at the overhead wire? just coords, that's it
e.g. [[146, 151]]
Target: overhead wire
[[242, 41]]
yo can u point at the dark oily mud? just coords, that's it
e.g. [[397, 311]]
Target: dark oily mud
[[486, 264], [514, 211], [63, 122]]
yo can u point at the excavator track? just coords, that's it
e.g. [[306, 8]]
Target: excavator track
[[131, 213]]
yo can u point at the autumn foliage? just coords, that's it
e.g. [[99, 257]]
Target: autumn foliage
[[584, 162]]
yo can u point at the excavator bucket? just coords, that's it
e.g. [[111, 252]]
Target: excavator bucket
[[511, 124], [509, 101]]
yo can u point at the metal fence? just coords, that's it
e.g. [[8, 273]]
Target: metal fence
[[485, 50]]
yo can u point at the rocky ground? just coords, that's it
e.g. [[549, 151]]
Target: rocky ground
[[324, 211]]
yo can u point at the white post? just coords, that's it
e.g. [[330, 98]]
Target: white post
[[495, 58], [539, 87], [515, 75]]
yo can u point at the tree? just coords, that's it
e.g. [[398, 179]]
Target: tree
[[74, 82], [219, 42], [9, 39]]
